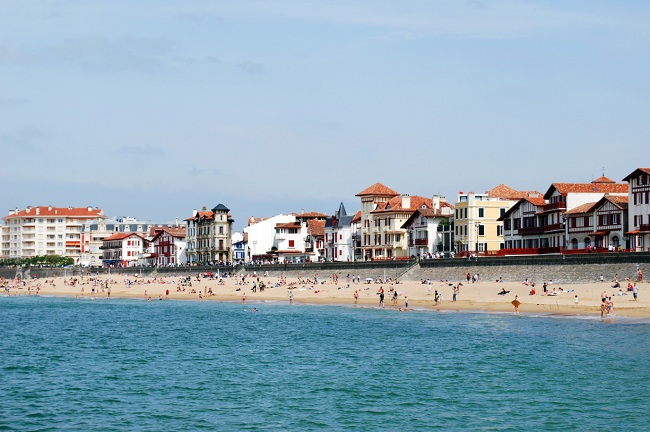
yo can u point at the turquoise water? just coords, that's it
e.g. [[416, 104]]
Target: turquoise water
[[125, 365]]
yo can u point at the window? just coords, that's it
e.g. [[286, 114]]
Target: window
[[481, 212], [220, 230], [291, 243], [481, 230], [502, 211], [499, 231]]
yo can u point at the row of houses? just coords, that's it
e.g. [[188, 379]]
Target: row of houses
[[567, 218]]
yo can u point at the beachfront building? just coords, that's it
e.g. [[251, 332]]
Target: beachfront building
[[238, 246], [477, 224], [169, 246], [638, 183], [261, 237], [123, 249], [536, 226], [209, 236], [430, 230], [46, 230], [522, 229], [339, 236], [95, 231], [383, 212], [6, 241], [597, 226]]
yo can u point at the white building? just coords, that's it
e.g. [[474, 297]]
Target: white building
[[94, 232], [430, 231], [46, 230], [123, 249], [639, 209], [261, 236], [339, 236]]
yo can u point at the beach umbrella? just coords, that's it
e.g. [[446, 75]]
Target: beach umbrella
[[369, 279]]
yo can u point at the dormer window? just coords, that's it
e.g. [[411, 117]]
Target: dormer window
[[387, 206]]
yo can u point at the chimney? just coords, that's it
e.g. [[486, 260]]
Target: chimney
[[204, 208], [194, 212], [302, 211], [38, 210], [49, 208], [90, 208], [435, 201], [406, 201], [176, 221], [28, 209]]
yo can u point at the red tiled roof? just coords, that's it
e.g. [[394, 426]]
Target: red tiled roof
[[395, 204], [357, 216], [316, 227], [583, 208], [310, 215], [566, 188], [507, 193], [45, 211], [122, 236], [636, 172], [377, 189], [288, 225], [603, 179], [618, 199]]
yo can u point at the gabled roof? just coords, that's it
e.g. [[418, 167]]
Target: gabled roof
[[395, 204], [636, 172], [584, 208], [316, 227], [377, 189], [538, 202], [122, 236], [593, 187], [357, 216], [428, 213]]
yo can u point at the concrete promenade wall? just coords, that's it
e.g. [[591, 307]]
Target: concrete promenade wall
[[583, 268]]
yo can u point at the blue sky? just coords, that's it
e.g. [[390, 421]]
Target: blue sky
[[153, 108]]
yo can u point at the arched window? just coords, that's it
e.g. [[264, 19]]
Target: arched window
[[616, 241], [574, 243], [587, 241]]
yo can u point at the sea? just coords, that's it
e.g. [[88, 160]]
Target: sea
[[130, 365]]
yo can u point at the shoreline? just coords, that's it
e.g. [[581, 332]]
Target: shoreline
[[480, 296]]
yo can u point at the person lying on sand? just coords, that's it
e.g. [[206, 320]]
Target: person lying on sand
[[503, 291]]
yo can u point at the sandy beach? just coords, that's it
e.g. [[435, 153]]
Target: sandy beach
[[480, 296]]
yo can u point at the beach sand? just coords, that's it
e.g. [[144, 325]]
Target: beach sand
[[481, 296]]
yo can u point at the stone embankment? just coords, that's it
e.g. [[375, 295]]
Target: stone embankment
[[558, 268]]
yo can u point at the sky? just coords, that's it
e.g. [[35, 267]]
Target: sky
[[153, 108]]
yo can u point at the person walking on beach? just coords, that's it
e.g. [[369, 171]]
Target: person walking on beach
[[356, 297], [453, 298], [575, 301], [395, 298], [290, 297], [243, 298], [381, 298], [635, 291], [406, 302], [436, 297]]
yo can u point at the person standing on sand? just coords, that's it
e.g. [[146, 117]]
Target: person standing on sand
[[290, 297], [453, 298], [575, 301], [516, 304], [381, 298], [406, 302], [635, 291], [602, 278], [356, 297], [243, 298]]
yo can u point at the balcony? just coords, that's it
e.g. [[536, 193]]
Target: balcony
[[555, 206], [554, 227], [531, 230], [421, 242], [644, 227]]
